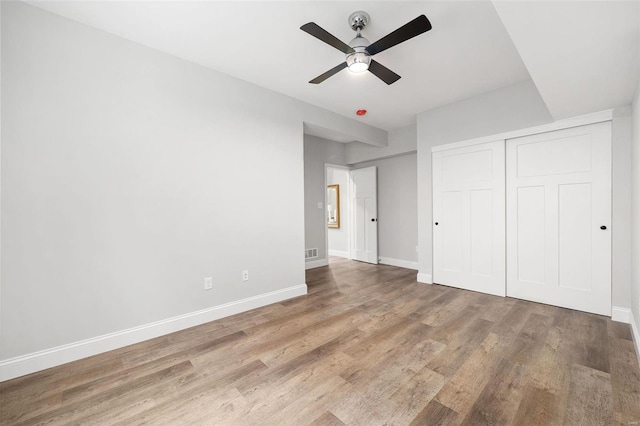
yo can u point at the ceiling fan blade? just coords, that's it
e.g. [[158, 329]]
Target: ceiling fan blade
[[383, 73], [416, 27], [321, 34], [326, 75]]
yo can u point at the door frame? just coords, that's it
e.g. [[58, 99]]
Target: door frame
[[346, 212]]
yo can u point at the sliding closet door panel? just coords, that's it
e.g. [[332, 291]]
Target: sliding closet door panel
[[452, 247], [468, 212], [468, 167], [531, 231], [574, 236], [481, 232], [546, 158], [558, 198]]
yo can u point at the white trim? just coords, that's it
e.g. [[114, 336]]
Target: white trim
[[344, 191], [36, 361], [399, 263], [424, 278], [316, 264], [635, 332], [324, 215], [620, 314], [581, 120], [339, 253]]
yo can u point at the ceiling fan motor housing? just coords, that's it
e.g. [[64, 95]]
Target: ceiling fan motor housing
[[358, 20]]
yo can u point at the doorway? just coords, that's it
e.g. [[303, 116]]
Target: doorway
[[354, 234], [338, 208]]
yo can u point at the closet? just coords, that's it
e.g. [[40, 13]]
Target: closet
[[527, 215], [469, 217]]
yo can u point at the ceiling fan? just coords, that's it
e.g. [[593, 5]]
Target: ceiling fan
[[359, 50]]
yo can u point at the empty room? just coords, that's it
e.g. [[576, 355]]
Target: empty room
[[319, 213]]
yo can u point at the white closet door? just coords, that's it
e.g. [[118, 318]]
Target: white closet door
[[469, 218], [364, 208], [558, 218]]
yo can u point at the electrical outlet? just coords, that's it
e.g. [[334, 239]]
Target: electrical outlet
[[208, 283], [245, 275]]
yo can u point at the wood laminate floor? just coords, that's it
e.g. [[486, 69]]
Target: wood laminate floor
[[367, 346]]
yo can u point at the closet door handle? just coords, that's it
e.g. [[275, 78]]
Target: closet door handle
[[603, 227], [436, 223]]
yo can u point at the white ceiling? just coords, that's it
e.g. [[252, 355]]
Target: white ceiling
[[468, 51], [582, 56]]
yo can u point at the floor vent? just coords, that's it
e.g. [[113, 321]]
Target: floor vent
[[310, 253]]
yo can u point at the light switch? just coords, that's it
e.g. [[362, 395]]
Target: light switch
[[320, 205]]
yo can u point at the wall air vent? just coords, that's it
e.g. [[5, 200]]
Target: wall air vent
[[310, 253]]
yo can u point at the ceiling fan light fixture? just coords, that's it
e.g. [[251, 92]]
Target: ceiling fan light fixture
[[359, 60]]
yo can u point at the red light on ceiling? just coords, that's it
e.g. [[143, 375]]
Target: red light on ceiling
[[361, 112]]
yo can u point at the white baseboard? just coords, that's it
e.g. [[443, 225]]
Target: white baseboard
[[339, 253], [399, 263], [30, 363], [620, 314], [635, 332], [316, 263], [424, 278]]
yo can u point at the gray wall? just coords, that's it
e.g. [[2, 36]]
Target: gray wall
[[317, 152], [338, 238], [635, 206], [129, 175], [401, 141], [397, 209], [621, 208], [397, 202]]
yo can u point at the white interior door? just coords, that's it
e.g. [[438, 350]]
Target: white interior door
[[364, 209], [469, 218], [558, 218]]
